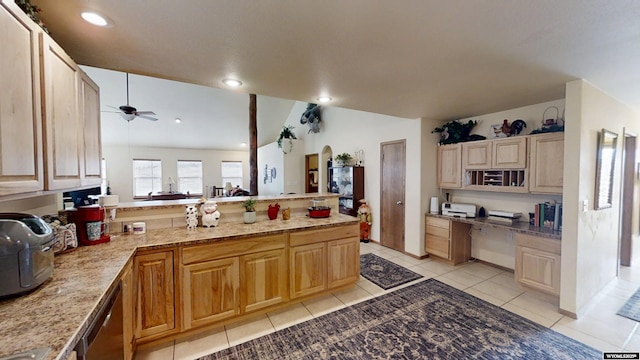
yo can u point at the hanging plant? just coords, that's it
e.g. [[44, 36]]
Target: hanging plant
[[286, 133]]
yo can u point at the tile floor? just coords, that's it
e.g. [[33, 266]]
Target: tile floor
[[600, 327]]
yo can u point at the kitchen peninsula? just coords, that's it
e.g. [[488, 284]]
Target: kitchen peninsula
[[259, 266]]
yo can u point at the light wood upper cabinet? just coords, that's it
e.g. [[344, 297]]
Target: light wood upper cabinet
[[449, 166], [509, 153], [62, 122], [21, 158], [476, 155], [210, 291], [546, 163], [538, 263], [91, 143], [155, 293]]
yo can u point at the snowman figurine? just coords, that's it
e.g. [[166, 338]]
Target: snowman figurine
[[210, 214]]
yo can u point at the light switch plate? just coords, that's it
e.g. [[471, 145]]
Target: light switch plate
[[585, 205]]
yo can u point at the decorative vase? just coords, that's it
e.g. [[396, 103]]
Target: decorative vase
[[272, 212], [249, 217]]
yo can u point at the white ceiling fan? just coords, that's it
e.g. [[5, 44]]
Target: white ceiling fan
[[129, 113]]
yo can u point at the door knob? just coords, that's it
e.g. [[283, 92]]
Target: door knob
[[399, 202]]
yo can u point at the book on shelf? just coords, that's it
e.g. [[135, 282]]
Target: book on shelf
[[548, 215]]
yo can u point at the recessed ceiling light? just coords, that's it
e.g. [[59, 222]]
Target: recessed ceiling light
[[178, 121], [94, 18], [232, 82], [324, 99], [243, 144]]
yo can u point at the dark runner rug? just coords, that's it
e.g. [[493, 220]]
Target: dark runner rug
[[427, 320], [385, 273], [631, 309]]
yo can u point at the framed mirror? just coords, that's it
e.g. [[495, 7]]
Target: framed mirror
[[605, 163]]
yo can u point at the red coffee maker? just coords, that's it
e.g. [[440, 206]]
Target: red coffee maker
[[90, 224]]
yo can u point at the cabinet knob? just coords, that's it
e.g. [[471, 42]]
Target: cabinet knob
[[399, 202]]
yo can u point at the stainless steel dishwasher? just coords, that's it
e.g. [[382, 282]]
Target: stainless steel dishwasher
[[103, 339]]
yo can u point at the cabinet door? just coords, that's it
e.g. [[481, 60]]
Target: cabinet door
[[510, 153], [307, 269], [21, 162], [538, 269], [476, 155], [127, 311], [210, 291], [90, 120], [449, 166], [343, 262], [264, 280], [155, 302], [62, 127], [546, 163]]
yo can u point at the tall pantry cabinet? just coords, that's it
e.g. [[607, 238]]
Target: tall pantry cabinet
[[50, 101]]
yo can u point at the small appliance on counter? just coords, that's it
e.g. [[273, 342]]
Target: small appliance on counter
[[319, 209], [90, 224], [26, 252], [458, 210]]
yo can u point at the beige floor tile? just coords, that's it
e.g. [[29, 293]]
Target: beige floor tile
[[504, 293], [422, 271], [486, 297], [506, 279], [535, 305], [437, 267], [634, 341], [531, 315], [585, 338], [616, 336], [201, 344], [353, 295], [481, 270], [451, 283], [371, 288], [462, 277], [159, 352], [323, 305], [249, 329], [402, 261], [289, 316]]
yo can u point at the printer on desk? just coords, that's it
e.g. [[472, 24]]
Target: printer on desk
[[458, 210]]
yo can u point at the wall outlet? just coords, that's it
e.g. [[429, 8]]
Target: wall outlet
[[509, 235], [483, 231]]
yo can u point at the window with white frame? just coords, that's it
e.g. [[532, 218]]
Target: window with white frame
[[147, 177], [190, 176], [231, 172]]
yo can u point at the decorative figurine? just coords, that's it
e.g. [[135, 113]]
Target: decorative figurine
[[364, 214], [272, 212], [286, 214], [210, 214], [191, 215]]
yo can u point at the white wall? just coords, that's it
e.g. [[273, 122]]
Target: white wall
[[120, 166], [289, 169], [590, 239], [346, 130]]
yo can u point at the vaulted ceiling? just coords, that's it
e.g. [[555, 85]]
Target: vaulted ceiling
[[411, 58]]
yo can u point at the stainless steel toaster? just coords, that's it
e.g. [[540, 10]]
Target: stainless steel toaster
[[26, 252]]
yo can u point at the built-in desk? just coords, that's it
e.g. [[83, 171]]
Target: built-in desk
[[537, 251]]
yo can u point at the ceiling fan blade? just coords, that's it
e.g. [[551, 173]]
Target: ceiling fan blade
[[145, 113], [147, 117], [113, 107]]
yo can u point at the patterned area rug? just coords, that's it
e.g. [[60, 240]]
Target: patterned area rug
[[631, 309], [428, 320], [385, 273]]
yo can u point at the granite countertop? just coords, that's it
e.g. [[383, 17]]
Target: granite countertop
[[57, 313], [521, 227]]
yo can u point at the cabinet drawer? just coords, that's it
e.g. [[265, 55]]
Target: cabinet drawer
[[223, 249], [552, 246], [323, 235], [438, 246], [437, 231], [437, 222]]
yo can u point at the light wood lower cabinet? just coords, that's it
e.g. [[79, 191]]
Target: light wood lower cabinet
[[127, 311], [264, 278], [210, 291], [323, 259], [155, 293], [446, 239], [538, 263]]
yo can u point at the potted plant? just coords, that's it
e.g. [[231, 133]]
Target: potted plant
[[343, 159], [249, 215], [286, 133]]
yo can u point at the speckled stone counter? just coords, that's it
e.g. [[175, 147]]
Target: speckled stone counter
[[57, 313], [521, 227]]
